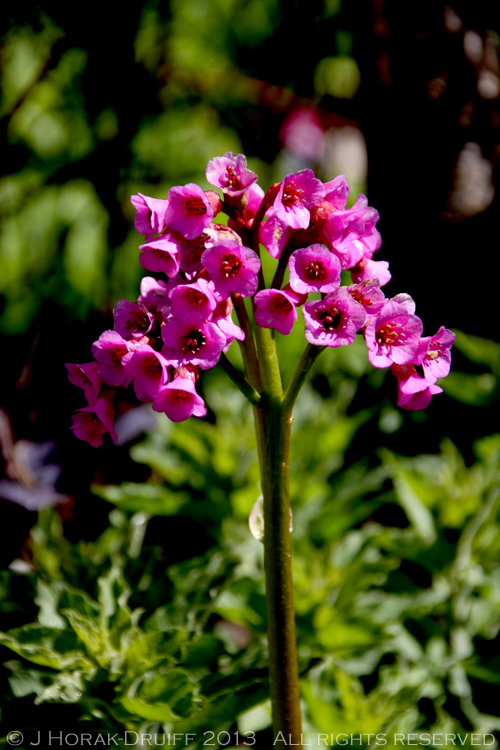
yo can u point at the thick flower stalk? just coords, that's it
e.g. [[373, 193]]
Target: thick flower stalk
[[182, 323]]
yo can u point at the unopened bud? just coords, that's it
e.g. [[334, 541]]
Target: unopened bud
[[215, 201]]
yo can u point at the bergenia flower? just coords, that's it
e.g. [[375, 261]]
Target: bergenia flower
[[162, 255], [274, 233], [179, 400], [148, 369], [414, 392], [434, 354], [393, 336], [352, 233], [195, 297], [109, 351], [132, 321], [86, 376], [337, 192], [92, 422], [275, 308], [232, 268], [298, 193], [230, 174], [223, 320], [334, 320], [314, 269], [149, 219], [371, 269], [189, 210], [369, 294], [154, 293], [192, 340]]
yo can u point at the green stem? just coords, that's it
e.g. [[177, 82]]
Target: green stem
[[283, 665], [274, 437], [309, 356], [242, 383], [247, 346]]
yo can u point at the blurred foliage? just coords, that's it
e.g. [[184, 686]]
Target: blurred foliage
[[397, 581], [396, 576]]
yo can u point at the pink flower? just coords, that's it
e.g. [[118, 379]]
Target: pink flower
[[93, 421], [334, 320], [196, 297], [434, 354], [314, 269], [274, 233], [222, 318], [351, 234], [276, 309], [414, 392], [230, 173], [162, 255], [192, 340], [179, 400], [298, 193], [337, 191], [154, 293], [150, 215], [393, 336], [86, 376], [148, 369], [109, 351], [132, 321], [189, 210], [371, 269], [369, 294], [232, 268]]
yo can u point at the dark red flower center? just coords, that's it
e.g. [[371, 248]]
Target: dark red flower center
[[118, 353], [230, 265], [195, 206], [330, 318], [291, 194], [316, 270], [152, 366], [194, 340], [138, 321], [386, 335], [195, 297], [232, 178], [181, 396], [279, 303]]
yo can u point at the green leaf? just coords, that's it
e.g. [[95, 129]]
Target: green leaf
[[50, 647]]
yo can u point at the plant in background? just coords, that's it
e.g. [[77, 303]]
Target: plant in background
[[182, 323]]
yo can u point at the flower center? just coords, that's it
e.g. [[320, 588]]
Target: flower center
[[194, 340], [194, 297], [194, 205], [280, 304], [152, 366], [139, 321], [118, 353], [315, 270], [330, 318], [387, 335], [232, 179], [291, 194], [231, 264], [181, 396]]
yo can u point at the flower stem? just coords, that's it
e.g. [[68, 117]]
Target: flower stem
[[309, 356], [242, 383], [273, 435], [283, 665]]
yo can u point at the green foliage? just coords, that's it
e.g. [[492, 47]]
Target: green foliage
[[395, 570]]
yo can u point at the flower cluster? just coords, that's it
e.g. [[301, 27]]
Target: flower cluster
[[182, 321]]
